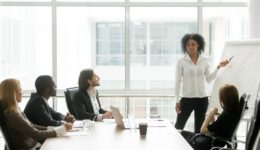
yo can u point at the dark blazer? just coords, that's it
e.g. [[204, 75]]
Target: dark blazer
[[23, 133], [83, 106], [40, 113]]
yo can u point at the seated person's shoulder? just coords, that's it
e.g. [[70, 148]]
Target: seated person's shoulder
[[227, 115], [12, 115], [34, 104], [34, 101], [36, 96]]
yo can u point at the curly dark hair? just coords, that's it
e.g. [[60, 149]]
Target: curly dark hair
[[193, 36]]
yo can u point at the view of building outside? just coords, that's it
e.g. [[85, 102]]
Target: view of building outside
[[95, 37]]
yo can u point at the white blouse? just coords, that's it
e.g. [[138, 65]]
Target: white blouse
[[191, 77], [96, 108]]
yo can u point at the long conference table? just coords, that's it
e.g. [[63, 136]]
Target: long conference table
[[106, 135]]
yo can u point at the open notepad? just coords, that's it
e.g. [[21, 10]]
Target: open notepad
[[156, 123], [78, 124]]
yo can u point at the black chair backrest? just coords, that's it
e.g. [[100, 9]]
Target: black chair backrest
[[254, 126], [69, 93], [4, 131], [240, 114]]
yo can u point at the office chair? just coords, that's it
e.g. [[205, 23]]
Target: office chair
[[219, 142], [254, 126], [4, 131], [69, 93], [251, 137]]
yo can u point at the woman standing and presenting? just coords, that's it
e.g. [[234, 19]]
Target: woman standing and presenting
[[191, 73]]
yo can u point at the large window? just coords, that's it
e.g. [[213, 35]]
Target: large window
[[25, 43], [90, 37], [25, 0], [110, 47], [155, 44], [223, 24], [133, 45]]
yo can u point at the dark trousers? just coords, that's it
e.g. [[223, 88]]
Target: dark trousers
[[197, 141], [199, 105], [188, 136]]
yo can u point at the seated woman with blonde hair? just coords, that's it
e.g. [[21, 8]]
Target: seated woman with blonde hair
[[23, 133]]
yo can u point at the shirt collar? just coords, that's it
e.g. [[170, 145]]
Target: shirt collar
[[201, 57], [92, 92], [46, 101]]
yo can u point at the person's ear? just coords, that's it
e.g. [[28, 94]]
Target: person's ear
[[89, 82]]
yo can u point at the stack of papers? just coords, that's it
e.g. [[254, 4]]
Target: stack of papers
[[156, 123], [78, 124]]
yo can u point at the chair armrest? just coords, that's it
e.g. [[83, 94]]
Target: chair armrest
[[216, 143], [227, 142], [221, 140], [221, 148]]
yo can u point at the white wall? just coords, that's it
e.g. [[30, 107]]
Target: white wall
[[254, 18]]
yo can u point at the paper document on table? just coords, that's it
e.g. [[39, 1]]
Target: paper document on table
[[78, 124], [74, 130], [77, 133], [156, 123]]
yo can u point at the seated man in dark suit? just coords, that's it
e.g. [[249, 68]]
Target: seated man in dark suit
[[38, 110], [86, 101]]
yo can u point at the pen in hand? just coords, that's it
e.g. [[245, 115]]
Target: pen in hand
[[230, 58], [224, 62]]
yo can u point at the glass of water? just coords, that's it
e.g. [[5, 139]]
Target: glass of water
[[86, 125], [131, 121]]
